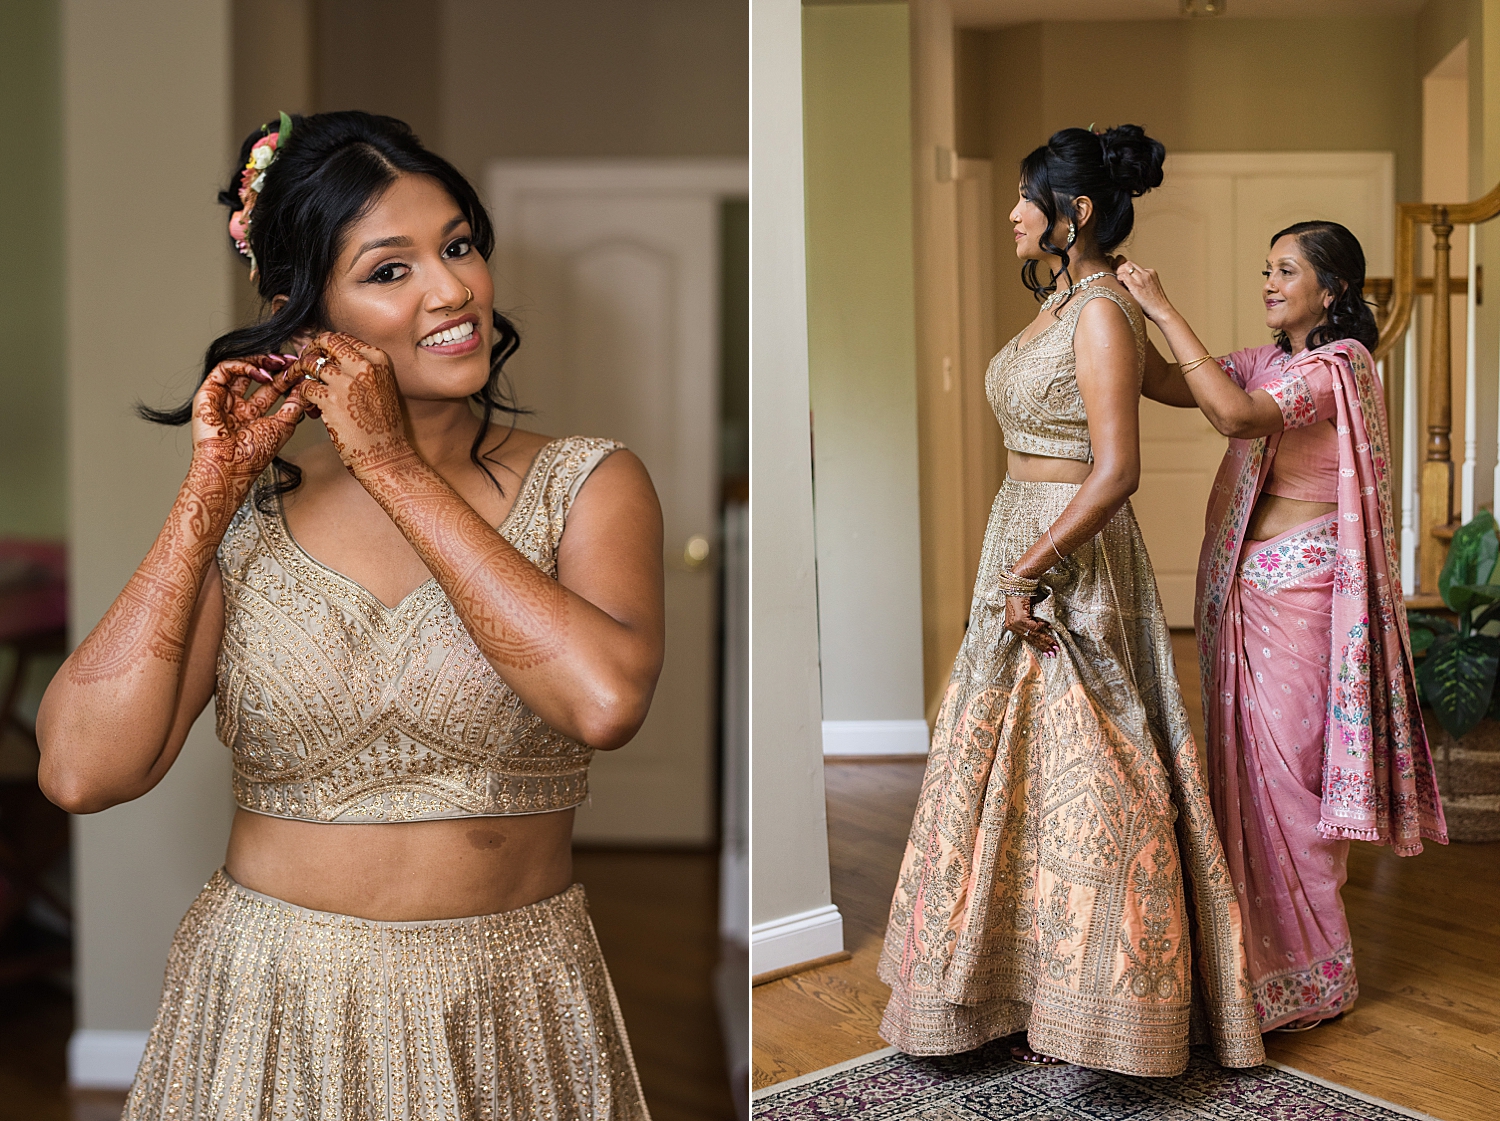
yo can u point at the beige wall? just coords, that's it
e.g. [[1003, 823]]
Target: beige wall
[[862, 359], [1232, 85], [789, 827], [33, 491], [593, 78], [148, 289]]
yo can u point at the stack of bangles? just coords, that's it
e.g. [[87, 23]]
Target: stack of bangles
[[1012, 586], [1195, 363]]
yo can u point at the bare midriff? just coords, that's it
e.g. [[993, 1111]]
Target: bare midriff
[[406, 871], [1274, 515], [1045, 468]]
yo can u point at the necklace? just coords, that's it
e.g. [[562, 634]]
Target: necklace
[[1059, 297]]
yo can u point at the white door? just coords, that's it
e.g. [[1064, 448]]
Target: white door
[[1206, 230], [611, 272]]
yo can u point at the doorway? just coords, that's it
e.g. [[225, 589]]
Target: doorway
[[1206, 231]]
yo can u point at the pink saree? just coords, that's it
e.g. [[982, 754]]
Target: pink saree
[[1315, 736]]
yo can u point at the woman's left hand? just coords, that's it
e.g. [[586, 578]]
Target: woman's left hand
[[354, 387]]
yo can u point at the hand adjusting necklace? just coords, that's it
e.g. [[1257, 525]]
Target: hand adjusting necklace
[[1059, 297]]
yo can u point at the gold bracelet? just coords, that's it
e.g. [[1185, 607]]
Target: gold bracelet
[[1055, 549], [1010, 585], [1195, 363]]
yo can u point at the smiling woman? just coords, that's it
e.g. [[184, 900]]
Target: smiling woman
[[1315, 735], [426, 620]]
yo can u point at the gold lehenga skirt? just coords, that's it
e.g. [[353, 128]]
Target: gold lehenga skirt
[[1063, 874], [275, 1011]]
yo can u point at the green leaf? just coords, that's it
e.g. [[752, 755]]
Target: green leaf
[[1466, 597], [1435, 623], [1474, 544], [284, 131], [1490, 614], [1458, 680], [1421, 639], [1489, 549]]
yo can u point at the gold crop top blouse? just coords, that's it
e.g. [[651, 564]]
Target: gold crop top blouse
[[339, 708], [1034, 388]]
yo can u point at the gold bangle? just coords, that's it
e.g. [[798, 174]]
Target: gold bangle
[[1010, 585], [1195, 363], [1054, 544]]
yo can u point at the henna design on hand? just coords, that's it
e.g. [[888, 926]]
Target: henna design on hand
[[516, 613], [234, 441], [360, 378]]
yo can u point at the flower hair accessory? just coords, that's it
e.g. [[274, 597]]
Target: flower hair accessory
[[262, 154]]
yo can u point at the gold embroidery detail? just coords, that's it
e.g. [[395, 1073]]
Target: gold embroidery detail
[[338, 708], [1063, 873], [276, 1011], [1034, 388]]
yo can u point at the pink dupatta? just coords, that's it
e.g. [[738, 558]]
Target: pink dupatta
[[1378, 781]]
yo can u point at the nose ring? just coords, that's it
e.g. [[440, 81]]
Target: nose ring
[[467, 294]]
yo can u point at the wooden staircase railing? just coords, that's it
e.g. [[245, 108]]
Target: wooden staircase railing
[[1436, 517]]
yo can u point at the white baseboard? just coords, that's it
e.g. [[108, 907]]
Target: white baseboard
[[875, 737], [796, 938], [104, 1060]]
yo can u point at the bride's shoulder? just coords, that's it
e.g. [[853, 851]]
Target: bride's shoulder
[[1112, 292]]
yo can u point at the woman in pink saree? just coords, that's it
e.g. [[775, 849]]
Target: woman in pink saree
[[1315, 737]]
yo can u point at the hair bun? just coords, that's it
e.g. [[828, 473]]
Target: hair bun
[[1133, 159]]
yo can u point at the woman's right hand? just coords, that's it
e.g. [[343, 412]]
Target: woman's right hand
[[1033, 631], [1145, 286], [240, 434]]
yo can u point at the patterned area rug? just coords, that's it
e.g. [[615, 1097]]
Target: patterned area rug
[[987, 1085]]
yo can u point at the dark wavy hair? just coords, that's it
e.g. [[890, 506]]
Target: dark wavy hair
[[1111, 168], [327, 175], [1339, 262]]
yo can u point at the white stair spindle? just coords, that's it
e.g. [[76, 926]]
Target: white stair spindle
[[1471, 385], [1409, 457]]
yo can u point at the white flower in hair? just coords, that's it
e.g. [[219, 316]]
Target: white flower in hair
[[261, 156]]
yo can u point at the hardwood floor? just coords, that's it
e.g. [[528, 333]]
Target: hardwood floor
[[657, 917], [656, 914], [1425, 1033]]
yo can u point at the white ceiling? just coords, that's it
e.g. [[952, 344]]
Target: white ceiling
[[1002, 13]]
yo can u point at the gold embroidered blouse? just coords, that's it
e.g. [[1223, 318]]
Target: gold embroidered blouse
[[1034, 388], [339, 708]]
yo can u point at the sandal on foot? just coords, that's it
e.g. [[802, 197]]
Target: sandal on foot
[[1022, 1053], [1305, 1024]]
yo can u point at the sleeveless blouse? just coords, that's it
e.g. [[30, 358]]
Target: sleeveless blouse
[[1033, 388], [338, 708]]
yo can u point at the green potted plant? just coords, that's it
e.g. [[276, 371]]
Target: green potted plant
[[1458, 665]]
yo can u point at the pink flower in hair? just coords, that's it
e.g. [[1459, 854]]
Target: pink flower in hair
[[252, 179]]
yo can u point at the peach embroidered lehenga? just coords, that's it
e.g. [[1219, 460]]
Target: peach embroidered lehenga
[[1063, 874]]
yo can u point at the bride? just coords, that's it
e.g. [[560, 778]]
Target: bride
[[1063, 875]]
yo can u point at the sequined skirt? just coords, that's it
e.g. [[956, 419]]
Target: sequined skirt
[[275, 1011]]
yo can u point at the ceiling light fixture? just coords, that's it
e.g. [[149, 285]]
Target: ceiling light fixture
[[1202, 7]]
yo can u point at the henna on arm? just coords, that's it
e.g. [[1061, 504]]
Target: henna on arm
[[517, 614], [111, 724], [150, 617], [588, 668]]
